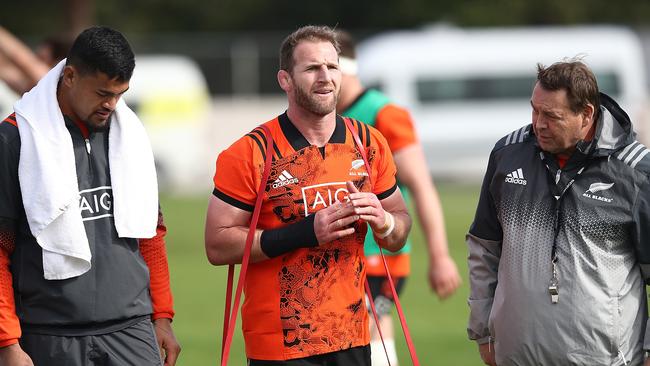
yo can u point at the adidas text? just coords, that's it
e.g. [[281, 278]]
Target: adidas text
[[285, 178], [523, 182]]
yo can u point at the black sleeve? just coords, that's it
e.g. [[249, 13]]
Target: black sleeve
[[486, 224], [641, 230], [10, 198]]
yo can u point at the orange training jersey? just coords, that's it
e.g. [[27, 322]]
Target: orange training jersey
[[309, 301]]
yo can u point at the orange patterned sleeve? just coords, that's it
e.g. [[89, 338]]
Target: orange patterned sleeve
[[155, 256], [9, 323]]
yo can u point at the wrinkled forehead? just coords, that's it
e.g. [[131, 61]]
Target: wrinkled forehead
[[549, 99], [315, 51]]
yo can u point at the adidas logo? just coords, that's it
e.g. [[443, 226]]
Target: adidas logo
[[516, 177], [284, 179]]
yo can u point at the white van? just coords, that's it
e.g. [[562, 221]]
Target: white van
[[170, 95], [468, 88]]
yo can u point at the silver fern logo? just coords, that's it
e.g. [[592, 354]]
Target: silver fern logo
[[598, 187], [356, 170]]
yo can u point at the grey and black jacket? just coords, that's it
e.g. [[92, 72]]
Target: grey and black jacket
[[595, 215], [114, 293]]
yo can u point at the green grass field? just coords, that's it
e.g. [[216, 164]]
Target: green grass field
[[437, 327]]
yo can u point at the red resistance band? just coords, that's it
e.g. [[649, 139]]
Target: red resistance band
[[230, 313]]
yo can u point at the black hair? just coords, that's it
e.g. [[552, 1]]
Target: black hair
[[102, 49]]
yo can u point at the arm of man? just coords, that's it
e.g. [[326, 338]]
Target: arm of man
[[483, 263], [484, 246], [413, 172], [226, 229], [154, 254], [641, 237], [10, 351], [26, 68]]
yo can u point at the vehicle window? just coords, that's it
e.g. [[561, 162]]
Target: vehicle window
[[474, 88], [609, 83], [437, 90]]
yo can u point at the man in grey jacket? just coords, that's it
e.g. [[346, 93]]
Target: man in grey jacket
[[558, 251]]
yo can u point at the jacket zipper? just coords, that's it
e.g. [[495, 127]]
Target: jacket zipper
[[89, 150]]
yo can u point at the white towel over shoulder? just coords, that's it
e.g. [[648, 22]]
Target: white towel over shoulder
[[48, 179]]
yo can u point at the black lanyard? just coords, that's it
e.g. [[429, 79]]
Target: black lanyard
[[558, 195]]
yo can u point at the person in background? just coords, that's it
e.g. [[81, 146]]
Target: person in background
[[53, 49], [395, 124], [83, 264], [305, 285], [558, 250], [20, 67]]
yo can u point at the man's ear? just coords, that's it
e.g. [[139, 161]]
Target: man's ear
[[589, 114], [69, 75], [284, 79]]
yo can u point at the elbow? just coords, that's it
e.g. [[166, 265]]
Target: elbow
[[396, 246], [214, 252], [215, 258]]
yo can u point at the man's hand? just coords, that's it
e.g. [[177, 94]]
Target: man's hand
[[13, 355], [486, 351], [368, 207], [646, 362], [169, 347], [334, 222], [443, 276]]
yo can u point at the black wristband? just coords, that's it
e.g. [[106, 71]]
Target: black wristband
[[301, 234]]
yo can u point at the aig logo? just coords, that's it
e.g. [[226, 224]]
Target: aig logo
[[96, 203], [323, 195]]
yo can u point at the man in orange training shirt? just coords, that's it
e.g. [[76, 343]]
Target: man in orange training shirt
[[305, 286]]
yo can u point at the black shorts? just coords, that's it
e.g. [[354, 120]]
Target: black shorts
[[381, 293], [133, 346], [357, 356]]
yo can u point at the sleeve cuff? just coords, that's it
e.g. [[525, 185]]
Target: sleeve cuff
[[484, 340], [156, 316], [387, 193], [8, 342]]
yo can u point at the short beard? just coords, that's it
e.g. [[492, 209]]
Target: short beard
[[92, 127], [320, 109]]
